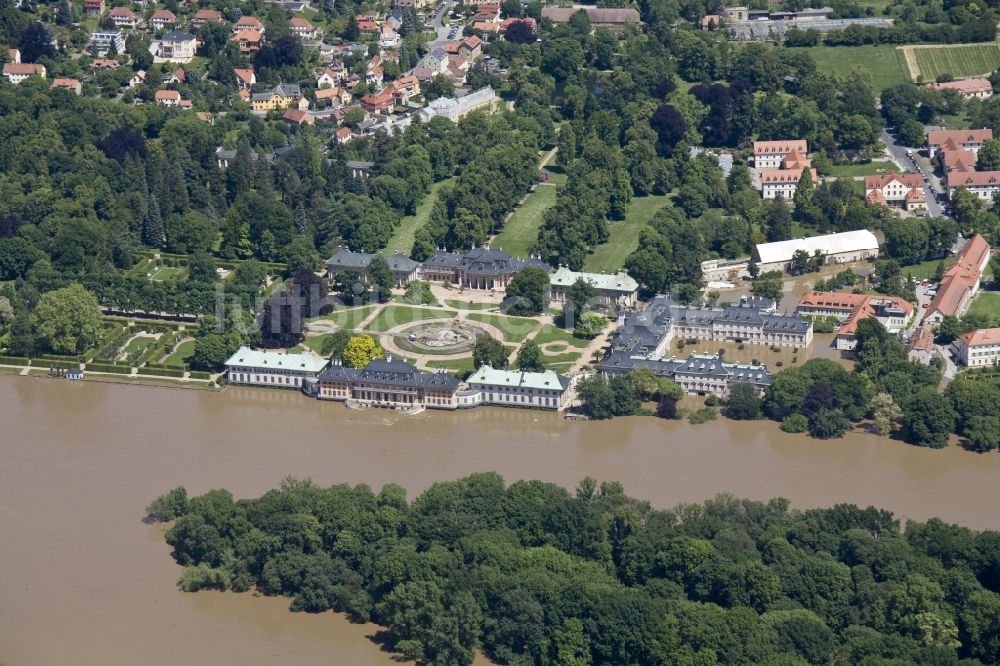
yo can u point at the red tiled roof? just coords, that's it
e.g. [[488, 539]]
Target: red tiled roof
[[983, 336], [163, 15], [167, 95], [906, 179], [23, 68], [974, 179], [960, 278], [964, 86], [938, 137], [784, 175], [779, 147]]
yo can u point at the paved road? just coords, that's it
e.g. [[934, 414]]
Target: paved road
[[932, 186], [440, 27]]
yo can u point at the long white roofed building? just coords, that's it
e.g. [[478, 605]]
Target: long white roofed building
[[543, 390], [842, 248], [270, 368]]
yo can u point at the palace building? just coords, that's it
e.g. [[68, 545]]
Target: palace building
[[389, 383]]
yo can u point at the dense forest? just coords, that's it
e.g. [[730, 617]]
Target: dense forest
[[532, 574]]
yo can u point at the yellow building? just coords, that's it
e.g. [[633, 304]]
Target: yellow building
[[281, 96]]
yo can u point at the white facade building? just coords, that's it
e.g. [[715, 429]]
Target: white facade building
[[978, 348], [277, 369], [544, 390], [101, 41], [454, 108], [612, 289]]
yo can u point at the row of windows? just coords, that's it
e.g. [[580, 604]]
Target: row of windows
[[522, 399], [265, 379]]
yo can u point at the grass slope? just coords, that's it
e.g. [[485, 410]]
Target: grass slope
[[988, 304], [521, 230], [958, 60], [884, 63], [402, 239], [624, 236]]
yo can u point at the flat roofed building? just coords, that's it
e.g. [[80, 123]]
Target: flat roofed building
[[846, 247], [614, 289], [978, 348], [542, 390], [270, 368]]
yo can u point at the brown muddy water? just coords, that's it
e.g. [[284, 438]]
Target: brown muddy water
[[84, 581]]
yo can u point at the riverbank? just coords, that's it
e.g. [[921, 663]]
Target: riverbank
[[80, 461]]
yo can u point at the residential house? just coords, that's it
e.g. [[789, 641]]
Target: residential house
[[983, 184], [16, 72], [137, 79], [970, 139], [613, 289], [978, 88], [248, 23], [842, 248], [14, 56], [330, 78], [771, 154], [489, 13], [388, 37], [203, 16], [960, 283], [67, 84], [978, 348], [367, 25], [951, 158], [710, 22], [167, 97], [123, 17], [102, 40], [381, 102], [725, 270], [249, 41], [281, 96], [343, 135], [892, 312], [224, 157], [454, 108], [334, 97], [458, 70], [297, 117], [388, 383], [105, 63], [699, 374], [486, 27], [245, 78], [540, 390], [896, 190], [374, 75], [93, 8], [301, 27], [274, 369], [174, 46], [615, 19], [162, 19], [470, 48], [435, 60], [405, 87], [176, 76]]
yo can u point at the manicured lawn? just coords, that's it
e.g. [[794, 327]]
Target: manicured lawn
[[987, 303], [515, 329], [138, 343], [457, 366], [550, 333], [570, 357], [346, 318], [394, 315], [869, 169], [466, 305], [560, 367], [959, 60], [623, 238], [167, 273], [402, 239], [181, 353], [925, 270], [884, 63], [521, 230], [315, 342]]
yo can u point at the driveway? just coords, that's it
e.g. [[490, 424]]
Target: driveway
[[897, 153]]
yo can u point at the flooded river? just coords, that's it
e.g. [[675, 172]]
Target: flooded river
[[84, 581]]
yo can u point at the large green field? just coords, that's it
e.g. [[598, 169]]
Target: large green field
[[959, 60], [514, 329], [623, 238], [402, 238], [885, 63], [521, 230], [987, 304]]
